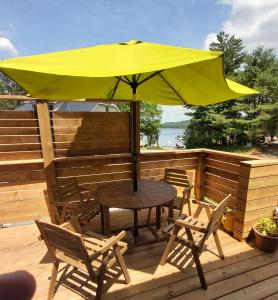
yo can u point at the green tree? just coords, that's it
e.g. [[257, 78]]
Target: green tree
[[8, 86], [260, 112], [233, 49], [216, 123], [150, 120]]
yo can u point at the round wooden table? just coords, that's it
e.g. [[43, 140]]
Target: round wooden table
[[121, 195]]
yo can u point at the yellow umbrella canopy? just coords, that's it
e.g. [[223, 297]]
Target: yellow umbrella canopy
[[157, 73]]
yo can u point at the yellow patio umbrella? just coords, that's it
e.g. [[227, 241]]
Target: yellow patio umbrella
[[151, 72], [156, 73]]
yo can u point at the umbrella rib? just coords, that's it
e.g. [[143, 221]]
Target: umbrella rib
[[150, 76], [121, 79], [128, 80], [115, 88], [174, 90]]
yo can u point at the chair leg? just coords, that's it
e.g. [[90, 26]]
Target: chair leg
[[218, 244], [51, 290], [149, 216], [122, 264], [189, 208], [169, 246], [199, 268], [197, 212], [101, 276]]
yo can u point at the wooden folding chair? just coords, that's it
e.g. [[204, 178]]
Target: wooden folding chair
[[180, 178], [191, 233], [177, 178], [71, 200], [90, 252]]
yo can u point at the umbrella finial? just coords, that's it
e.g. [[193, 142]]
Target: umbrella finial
[[131, 42]]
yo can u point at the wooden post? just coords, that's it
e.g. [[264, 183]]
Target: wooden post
[[135, 141], [47, 153], [200, 177], [257, 194]]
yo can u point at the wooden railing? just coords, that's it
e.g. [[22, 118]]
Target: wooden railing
[[252, 182]]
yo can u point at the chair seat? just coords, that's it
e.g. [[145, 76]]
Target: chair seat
[[93, 243], [87, 211], [182, 235], [177, 203]]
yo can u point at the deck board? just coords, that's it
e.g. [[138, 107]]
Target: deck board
[[245, 273]]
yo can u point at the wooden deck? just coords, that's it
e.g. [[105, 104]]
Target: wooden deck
[[245, 273]]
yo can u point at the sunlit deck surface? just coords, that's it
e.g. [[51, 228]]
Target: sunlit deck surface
[[245, 273]]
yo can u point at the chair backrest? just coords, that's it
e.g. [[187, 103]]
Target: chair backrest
[[60, 239], [216, 216], [176, 177], [67, 190]]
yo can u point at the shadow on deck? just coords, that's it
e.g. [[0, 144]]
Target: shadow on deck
[[245, 273]]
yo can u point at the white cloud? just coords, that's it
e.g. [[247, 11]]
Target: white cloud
[[254, 21], [209, 38], [7, 49]]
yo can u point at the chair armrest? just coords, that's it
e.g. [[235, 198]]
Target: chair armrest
[[57, 203], [185, 224], [113, 240], [203, 204], [186, 189], [107, 244], [66, 225]]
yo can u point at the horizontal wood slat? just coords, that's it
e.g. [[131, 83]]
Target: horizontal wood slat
[[97, 144], [223, 165], [90, 115], [19, 155], [259, 182], [19, 131], [17, 114], [91, 136], [222, 173]]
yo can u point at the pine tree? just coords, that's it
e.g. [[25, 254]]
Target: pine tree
[[260, 111], [219, 117]]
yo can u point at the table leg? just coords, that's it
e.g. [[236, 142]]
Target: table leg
[[171, 209], [158, 217], [105, 220], [135, 228]]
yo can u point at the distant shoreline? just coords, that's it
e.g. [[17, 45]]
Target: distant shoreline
[[178, 125]]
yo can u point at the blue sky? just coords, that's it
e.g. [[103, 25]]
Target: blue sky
[[30, 27]]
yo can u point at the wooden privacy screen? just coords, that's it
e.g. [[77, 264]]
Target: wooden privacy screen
[[74, 134], [89, 133], [19, 135], [22, 177]]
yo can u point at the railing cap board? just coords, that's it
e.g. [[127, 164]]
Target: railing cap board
[[167, 152], [224, 153], [259, 163], [17, 162]]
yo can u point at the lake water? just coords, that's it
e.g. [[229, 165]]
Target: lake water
[[167, 137]]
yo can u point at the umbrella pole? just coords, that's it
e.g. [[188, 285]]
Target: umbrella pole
[[135, 134]]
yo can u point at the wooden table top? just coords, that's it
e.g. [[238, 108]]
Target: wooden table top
[[121, 194]]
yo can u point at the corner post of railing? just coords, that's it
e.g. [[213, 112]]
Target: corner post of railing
[[200, 176]]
